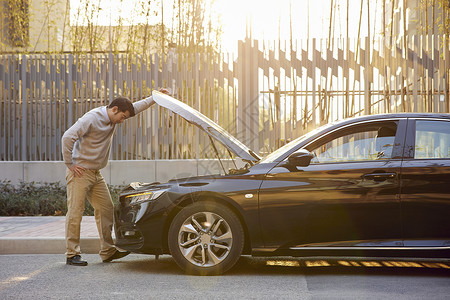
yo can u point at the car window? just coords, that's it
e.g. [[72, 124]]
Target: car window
[[370, 142], [432, 139], [274, 156]]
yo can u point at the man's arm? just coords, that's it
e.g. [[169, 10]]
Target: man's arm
[[141, 105], [74, 133]]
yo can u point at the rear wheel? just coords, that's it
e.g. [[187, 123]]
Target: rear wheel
[[206, 238]]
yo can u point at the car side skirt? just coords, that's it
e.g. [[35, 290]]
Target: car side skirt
[[431, 252]]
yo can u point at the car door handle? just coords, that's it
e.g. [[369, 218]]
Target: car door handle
[[380, 176]]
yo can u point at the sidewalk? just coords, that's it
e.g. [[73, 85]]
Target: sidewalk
[[44, 235]]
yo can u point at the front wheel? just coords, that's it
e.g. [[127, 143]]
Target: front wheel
[[206, 238]]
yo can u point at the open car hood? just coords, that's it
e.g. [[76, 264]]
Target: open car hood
[[211, 128]]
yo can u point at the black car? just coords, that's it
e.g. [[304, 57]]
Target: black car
[[373, 186]]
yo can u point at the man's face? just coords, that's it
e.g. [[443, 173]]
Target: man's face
[[117, 116]]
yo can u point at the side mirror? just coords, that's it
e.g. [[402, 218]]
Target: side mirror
[[301, 158]]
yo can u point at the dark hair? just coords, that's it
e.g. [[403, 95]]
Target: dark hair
[[123, 104]]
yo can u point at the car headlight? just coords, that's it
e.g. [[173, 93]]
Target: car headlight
[[144, 197]]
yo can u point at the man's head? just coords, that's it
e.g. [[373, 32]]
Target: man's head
[[120, 109]]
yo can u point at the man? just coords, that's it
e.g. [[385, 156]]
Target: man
[[85, 148]]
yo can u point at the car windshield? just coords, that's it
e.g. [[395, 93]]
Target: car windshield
[[275, 156]]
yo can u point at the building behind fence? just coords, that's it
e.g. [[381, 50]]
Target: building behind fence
[[266, 96]]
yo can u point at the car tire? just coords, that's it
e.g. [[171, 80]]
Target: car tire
[[206, 238]]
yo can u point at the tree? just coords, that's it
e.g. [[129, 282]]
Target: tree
[[17, 13], [198, 29], [434, 16], [87, 35]]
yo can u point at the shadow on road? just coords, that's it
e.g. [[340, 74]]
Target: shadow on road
[[305, 266]]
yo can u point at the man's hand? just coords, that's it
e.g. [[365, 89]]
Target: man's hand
[[165, 91], [77, 170]]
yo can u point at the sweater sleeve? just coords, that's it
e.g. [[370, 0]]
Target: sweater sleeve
[[141, 105], [74, 133]]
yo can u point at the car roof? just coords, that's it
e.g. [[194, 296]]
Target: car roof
[[340, 123], [391, 116]]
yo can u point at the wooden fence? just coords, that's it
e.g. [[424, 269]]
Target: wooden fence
[[266, 97]]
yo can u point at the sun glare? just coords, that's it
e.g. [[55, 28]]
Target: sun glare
[[269, 20]]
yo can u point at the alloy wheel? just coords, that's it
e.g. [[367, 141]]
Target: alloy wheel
[[205, 239]]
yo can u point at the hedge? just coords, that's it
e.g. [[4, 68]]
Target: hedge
[[40, 199]]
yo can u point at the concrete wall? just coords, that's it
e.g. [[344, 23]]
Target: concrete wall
[[115, 173]]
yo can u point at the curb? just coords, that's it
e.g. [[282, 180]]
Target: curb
[[45, 245]]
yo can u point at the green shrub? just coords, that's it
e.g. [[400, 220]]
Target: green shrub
[[40, 199]]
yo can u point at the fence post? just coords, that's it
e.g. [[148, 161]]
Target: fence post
[[110, 77], [240, 134], [23, 99], [367, 79], [247, 120], [447, 72], [70, 91]]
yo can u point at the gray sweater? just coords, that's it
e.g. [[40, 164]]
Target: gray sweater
[[88, 142]]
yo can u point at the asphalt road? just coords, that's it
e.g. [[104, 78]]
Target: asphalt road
[[143, 277]]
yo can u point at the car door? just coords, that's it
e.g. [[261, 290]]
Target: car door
[[348, 195], [425, 195]]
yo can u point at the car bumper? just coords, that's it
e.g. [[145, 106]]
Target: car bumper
[[140, 230]]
